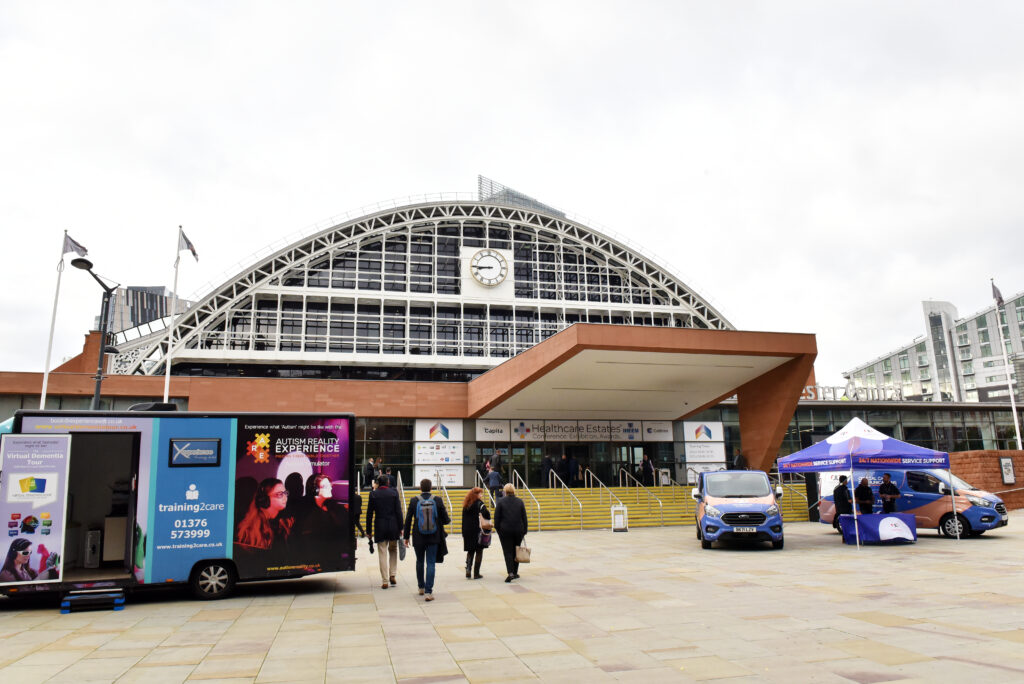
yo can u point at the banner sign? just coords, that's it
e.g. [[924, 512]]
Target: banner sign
[[704, 452], [528, 431], [561, 431], [695, 469], [438, 430], [703, 432], [493, 431], [292, 495], [427, 453], [33, 487], [594, 430], [879, 528], [657, 430], [449, 475], [627, 431]]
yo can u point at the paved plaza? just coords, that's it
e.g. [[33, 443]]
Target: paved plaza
[[648, 605]]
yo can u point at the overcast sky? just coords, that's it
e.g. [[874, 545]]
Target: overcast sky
[[806, 167]]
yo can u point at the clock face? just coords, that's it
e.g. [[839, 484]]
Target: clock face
[[488, 267]]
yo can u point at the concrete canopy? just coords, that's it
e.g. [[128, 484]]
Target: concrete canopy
[[613, 371]]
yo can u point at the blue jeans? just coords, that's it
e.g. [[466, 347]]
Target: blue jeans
[[428, 553]]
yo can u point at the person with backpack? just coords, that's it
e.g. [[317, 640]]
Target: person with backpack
[[385, 509], [424, 521]]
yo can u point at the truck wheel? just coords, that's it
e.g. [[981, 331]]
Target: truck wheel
[[777, 544], [212, 580], [949, 526], [705, 544]]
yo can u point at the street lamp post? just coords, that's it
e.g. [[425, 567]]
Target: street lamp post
[[86, 265]]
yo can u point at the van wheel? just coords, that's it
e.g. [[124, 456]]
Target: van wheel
[[212, 580], [705, 544], [698, 531], [950, 526], [778, 544]]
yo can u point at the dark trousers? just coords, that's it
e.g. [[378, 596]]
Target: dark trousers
[[888, 506], [473, 561], [865, 508], [509, 542], [495, 492]]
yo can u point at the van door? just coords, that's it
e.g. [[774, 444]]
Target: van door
[[921, 495]]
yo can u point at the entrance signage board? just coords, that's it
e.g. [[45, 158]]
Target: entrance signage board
[[493, 431], [449, 475], [561, 431], [427, 453], [438, 430], [594, 431], [627, 431], [707, 431], [657, 431], [705, 452]]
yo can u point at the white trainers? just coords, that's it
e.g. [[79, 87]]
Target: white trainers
[[428, 597]]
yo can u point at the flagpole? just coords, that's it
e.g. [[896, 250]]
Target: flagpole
[[170, 325], [53, 321]]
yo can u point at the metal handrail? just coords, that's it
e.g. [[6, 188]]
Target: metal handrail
[[589, 478], [483, 486], [640, 487], [552, 478], [401, 489], [522, 487], [675, 487], [444, 490]]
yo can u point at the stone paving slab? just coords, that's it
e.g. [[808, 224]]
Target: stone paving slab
[[646, 606]]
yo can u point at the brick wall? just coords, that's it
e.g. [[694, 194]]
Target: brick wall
[[981, 469]]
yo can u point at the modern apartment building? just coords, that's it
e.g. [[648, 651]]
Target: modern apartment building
[[957, 359]]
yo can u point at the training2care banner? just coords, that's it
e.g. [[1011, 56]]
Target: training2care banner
[[33, 482], [293, 507]]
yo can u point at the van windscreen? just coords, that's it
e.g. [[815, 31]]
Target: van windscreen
[[737, 484]]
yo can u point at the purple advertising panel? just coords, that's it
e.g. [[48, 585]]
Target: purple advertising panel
[[293, 496], [33, 482]]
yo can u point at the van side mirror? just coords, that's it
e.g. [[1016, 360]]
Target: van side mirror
[[944, 491], [695, 493], [778, 491]]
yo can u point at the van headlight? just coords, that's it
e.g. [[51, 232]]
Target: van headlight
[[772, 510], [712, 512], [984, 503]]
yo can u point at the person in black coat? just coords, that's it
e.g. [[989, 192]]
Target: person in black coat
[[473, 509], [562, 469], [841, 496], [426, 545], [385, 509], [647, 471], [546, 466], [369, 473], [574, 472], [511, 524], [864, 497]]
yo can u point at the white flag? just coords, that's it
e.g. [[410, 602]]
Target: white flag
[[184, 243], [72, 246]]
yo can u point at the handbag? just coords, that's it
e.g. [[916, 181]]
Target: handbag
[[485, 524], [522, 554], [401, 550], [484, 539]]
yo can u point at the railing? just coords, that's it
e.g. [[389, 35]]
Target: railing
[[483, 485], [401, 490], [552, 479], [589, 478], [444, 490], [639, 487], [520, 484], [359, 480], [676, 488]]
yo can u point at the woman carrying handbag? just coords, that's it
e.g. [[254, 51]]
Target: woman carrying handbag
[[476, 531], [511, 524]]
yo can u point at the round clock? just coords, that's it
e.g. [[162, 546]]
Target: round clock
[[488, 267]]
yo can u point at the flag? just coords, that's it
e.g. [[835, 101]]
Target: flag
[[997, 295], [72, 246], [184, 243]]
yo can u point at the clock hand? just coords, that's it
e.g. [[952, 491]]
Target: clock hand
[[480, 268]]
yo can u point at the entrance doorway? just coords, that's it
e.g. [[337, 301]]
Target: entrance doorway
[[101, 506]]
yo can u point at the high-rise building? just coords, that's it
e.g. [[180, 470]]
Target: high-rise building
[[957, 359]]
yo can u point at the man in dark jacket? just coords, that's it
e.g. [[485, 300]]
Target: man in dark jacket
[[888, 492], [647, 471], [574, 471], [511, 524], [546, 466], [841, 496], [385, 509], [425, 521], [369, 473], [563, 469]]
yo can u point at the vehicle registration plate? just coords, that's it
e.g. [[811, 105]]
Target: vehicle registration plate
[[744, 529], [1005, 517]]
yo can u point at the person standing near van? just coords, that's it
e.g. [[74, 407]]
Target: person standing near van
[[864, 497], [511, 524], [424, 522], [841, 496], [385, 509], [888, 492]]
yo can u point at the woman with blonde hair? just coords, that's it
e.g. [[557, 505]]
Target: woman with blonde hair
[[511, 523], [476, 531]]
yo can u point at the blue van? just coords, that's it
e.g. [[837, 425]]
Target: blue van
[[737, 505], [925, 494]]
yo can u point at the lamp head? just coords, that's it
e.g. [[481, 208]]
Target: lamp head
[[82, 263]]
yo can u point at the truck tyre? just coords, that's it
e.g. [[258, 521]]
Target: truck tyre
[[948, 526], [777, 544], [212, 580], [705, 544]]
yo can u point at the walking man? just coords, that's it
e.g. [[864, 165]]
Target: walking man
[[424, 522], [385, 510]]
